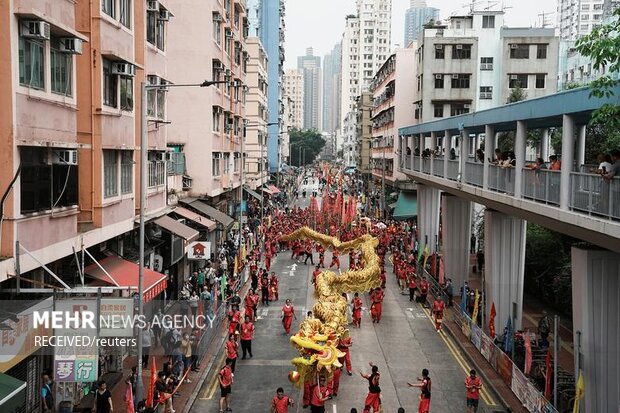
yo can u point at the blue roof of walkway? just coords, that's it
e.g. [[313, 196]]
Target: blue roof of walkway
[[542, 112]]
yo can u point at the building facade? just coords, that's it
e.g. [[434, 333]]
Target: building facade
[[577, 18], [256, 115], [332, 64], [416, 17], [310, 67], [364, 132], [472, 63], [294, 95], [266, 19]]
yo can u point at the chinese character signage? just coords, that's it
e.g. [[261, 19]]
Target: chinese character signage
[[116, 317]]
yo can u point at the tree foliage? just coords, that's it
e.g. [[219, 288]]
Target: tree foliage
[[309, 141], [517, 94], [602, 46]]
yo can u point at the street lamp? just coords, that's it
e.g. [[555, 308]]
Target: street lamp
[[143, 174]]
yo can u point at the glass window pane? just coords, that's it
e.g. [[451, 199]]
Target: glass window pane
[[110, 174]]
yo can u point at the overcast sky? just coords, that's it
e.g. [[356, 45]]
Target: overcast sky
[[320, 23]]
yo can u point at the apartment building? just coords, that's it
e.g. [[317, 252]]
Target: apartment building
[[577, 18], [331, 88], [71, 122], [256, 115], [310, 67], [416, 17], [364, 106], [472, 62], [350, 146], [294, 93], [393, 91]]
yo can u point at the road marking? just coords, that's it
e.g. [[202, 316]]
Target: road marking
[[486, 397], [334, 408], [292, 272], [209, 391]]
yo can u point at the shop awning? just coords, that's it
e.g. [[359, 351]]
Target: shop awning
[[209, 211], [254, 194], [125, 274], [177, 228], [197, 218], [274, 189], [266, 190], [12, 392], [406, 206]]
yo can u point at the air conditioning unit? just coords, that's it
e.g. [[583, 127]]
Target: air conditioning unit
[[513, 77], [459, 46], [514, 46], [124, 69], [64, 157], [35, 29], [217, 155], [466, 105], [217, 17], [455, 76], [71, 45], [439, 46], [230, 34], [217, 65], [157, 156], [438, 76], [164, 15], [152, 5]]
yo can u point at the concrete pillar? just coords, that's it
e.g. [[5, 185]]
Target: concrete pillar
[[456, 230], [596, 326], [544, 145], [520, 138], [464, 144], [581, 146], [447, 145], [428, 216], [568, 141], [504, 256], [489, 148]]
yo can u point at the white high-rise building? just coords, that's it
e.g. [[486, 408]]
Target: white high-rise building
[[577, 18], [294, 93], [365, 46], [310, 66]]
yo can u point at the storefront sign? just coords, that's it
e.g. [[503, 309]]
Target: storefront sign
[[116, 316], [199, 250], [76, 360]]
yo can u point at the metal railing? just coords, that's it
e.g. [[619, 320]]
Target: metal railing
[[594, 195], [502, 179], [438, 167], [473, 173], [453, 170], [426, 166], [541, 185]]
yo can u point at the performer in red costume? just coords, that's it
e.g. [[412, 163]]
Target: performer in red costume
[[273, 287], [288, 313], [438, 307], [357, 310], [344, 345], [335, 260], [377, 304], [373, 398]]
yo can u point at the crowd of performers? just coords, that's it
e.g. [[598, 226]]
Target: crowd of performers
[[265, 284]]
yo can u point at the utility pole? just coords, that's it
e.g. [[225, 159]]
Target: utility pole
[[383, 183]]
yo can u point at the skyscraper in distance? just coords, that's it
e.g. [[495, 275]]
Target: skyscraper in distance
[[310, 66], [416, 17]]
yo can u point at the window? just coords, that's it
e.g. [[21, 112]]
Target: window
[[438, 81], [156, 98], [488, 22], [236, 162], [217, 118], [110, 173], [598, 7], [585, 7], [107, 6], [486, 92], [176, 163], [226, 163], [61, 66], [517, 81], [161, 33], [459, 109], [438, 110], [151, 27], [597, 16], [126, 172], [461, 51], [519, 51], [46, 185], [486, 63], [460, 81], [156, 28], [125, 13], [31, 63], [540, 81], [585, 17], [156, 169], [439, 51], [541, 51], [215, 164], [126, 93], [110, 85]]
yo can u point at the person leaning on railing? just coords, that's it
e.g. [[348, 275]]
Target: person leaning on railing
[[614, 170]]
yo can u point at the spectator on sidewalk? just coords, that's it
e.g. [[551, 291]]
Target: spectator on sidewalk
[[47, 396], [103, 399], [544, 328], [161, 392], [472, 244], [193, 304], [226, 380], [194, 339], [147, 340], [186, 348], [449, 288]]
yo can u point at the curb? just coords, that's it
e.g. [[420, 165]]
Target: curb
[[479, 370]]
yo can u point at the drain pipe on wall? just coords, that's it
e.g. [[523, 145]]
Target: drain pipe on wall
[[5, 196]]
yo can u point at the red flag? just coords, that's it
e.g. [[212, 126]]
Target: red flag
[[492, 321], [129, 398], [434, 265], [153, 378], [528, 354], [549, 374], [441, 272]]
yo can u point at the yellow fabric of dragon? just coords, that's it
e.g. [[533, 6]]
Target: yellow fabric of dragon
[[318, 337]]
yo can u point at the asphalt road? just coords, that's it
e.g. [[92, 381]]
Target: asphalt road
[[402, 345]]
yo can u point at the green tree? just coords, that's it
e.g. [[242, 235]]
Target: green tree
[[517, 94], [305, 146], [602, 46]]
